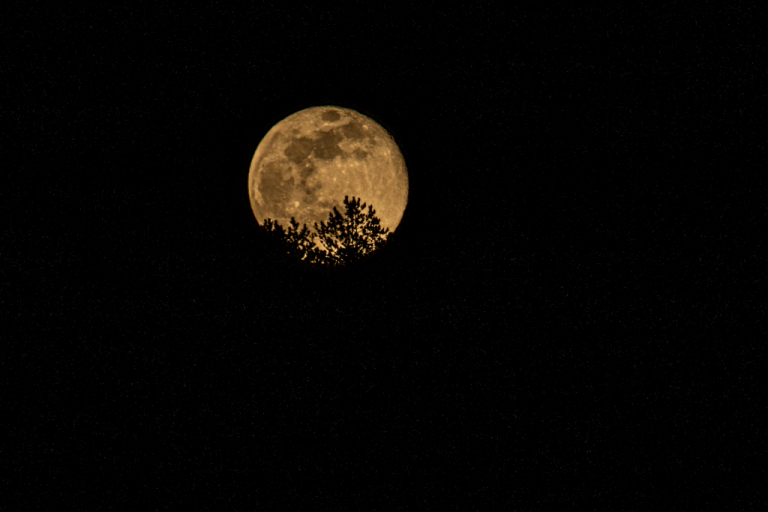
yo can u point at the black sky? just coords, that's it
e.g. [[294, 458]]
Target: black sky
[[573, 311]]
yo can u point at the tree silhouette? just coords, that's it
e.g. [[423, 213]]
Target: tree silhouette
[[293, 242], [342, 240]]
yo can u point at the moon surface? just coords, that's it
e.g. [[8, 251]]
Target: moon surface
[[308, 162]]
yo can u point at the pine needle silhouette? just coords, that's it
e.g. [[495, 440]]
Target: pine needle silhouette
[[342, 240]]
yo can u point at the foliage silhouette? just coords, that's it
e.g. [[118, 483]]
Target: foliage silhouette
[[342, 240]]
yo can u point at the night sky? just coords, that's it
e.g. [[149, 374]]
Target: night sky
[[571, 313]]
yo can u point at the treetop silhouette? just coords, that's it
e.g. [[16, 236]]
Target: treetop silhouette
[[342, 240]]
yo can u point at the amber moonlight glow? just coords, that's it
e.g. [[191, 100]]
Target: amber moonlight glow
[[308, 162]]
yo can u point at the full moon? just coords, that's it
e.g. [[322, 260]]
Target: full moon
[[308, 162]]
